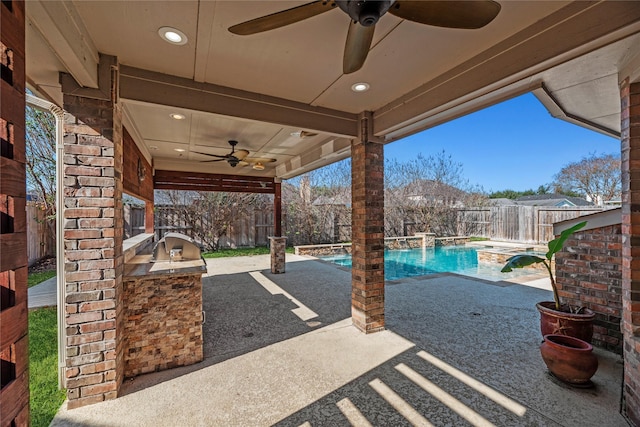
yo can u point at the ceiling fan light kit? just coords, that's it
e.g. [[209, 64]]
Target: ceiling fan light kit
[[461, 14], [237, 157]]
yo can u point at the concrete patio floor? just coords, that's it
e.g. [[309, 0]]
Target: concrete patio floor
[[280, 350]]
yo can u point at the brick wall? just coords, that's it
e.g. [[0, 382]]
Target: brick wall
[[630, 148], [589, 274], [162, 322], [93, 230]]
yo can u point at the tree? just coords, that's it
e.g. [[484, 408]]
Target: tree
[[597, 178], [41, 160], [210, 216], [513, 194], [425, 193], [317, 205]]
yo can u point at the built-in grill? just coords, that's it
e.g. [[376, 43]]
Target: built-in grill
[[163, 306], [175, 247]]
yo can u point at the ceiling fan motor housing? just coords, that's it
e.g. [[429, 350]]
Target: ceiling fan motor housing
[[365, 12]]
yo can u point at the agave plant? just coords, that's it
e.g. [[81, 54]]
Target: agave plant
[[555, 245]]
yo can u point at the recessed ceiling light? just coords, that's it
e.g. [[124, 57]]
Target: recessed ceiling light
[[360, 87], [172, 35], [179, 150], [177, 116], [153, 147]]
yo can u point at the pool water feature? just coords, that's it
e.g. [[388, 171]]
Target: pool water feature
[[402, 263]]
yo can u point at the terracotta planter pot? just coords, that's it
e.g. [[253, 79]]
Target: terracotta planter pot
[[569, 359], [561, 323]]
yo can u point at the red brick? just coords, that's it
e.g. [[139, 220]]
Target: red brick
[[78, 403], [82, 213], [81, 171], [96, 305], [82, 150], [84, 338], [96, 243], [101, 223], [101, 202], [82, 234], [91, 181], [96, 264], [81, 276], [83, 318], [97, 326]]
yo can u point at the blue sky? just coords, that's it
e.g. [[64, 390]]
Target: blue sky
[[513, 145]]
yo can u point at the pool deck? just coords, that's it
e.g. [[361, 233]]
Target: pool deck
[[280, 350]]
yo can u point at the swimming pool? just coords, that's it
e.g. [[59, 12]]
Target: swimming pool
[[402, 263]]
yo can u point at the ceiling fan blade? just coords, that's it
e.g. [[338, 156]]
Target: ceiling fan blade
[[450, 14], [258, 160], [283, 18], [212, 155], [240, 154], [214, 160], [357, 47]]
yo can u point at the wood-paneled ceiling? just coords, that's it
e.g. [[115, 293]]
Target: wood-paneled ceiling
[[264, 89]]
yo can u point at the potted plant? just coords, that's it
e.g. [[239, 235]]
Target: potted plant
[[557, 318]]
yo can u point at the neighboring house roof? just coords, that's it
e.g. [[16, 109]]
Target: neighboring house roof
[[502, 201], [558, 200], [426, 191]]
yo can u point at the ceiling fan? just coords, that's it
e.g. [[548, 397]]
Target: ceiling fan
[[239, 157], [364, 14]]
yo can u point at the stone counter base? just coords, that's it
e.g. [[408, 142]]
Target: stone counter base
[[162, 322]]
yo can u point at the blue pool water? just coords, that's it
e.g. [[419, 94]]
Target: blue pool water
[[403, 263]]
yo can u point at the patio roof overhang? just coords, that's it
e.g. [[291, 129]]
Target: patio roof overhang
[[282, 93]]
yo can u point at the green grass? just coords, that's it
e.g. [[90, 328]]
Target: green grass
[[223, 253], [35, 278], [478, 239], [43, 371]]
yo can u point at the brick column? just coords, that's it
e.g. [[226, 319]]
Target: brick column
[[278, 249], [367, 250], [277, 209], [93, 231], [630, 147]]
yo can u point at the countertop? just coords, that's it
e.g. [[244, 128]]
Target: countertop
[[141, 265]]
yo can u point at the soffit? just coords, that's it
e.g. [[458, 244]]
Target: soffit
[[419, 75]]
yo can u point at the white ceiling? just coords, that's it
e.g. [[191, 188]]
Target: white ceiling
[[260, 89]]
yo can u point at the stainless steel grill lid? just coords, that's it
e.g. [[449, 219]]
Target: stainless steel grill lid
[[176, 247]]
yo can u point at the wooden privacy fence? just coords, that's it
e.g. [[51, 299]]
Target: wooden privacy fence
[[133, 220], [531, 224], [248, 230], [41, 240]]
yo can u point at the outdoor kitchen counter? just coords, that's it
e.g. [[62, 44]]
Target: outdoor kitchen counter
[[141, 265], [162, 314]]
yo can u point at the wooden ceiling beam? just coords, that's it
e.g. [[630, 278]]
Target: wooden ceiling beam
[[193, 181]]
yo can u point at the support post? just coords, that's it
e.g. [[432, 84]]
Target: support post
[[93, 233], [277, 247], [367, 193], [148, 217], [630, 155], [277, 209]]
